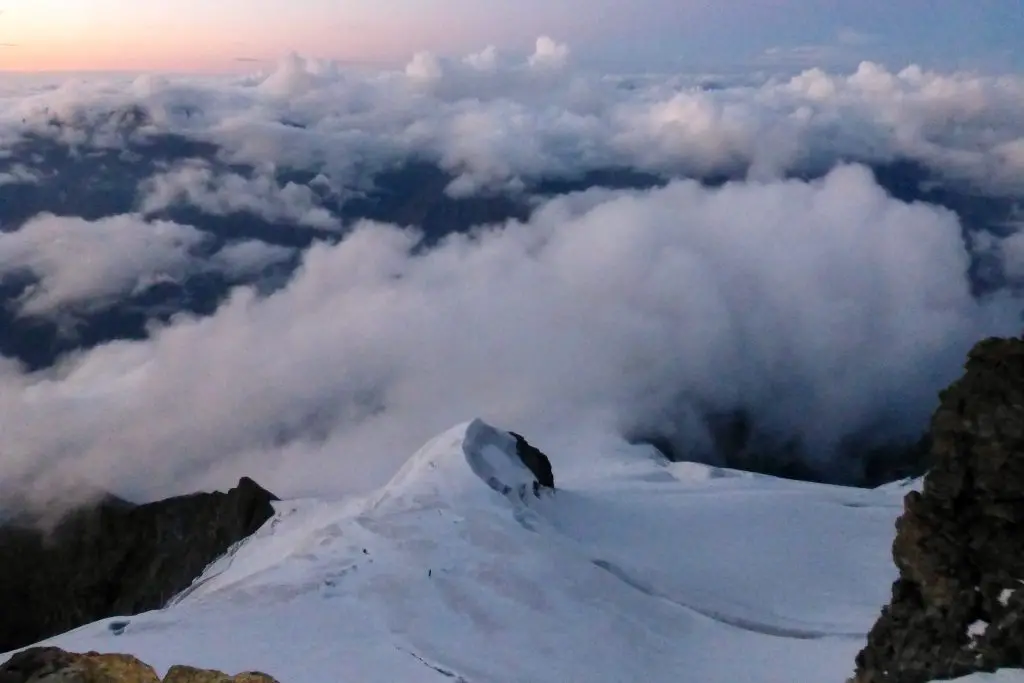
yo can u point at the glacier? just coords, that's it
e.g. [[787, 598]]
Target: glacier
[[633, 569]]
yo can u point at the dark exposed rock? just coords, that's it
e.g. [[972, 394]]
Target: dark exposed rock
[[53, 665], [534, 459], [956, 607], [114, 558]]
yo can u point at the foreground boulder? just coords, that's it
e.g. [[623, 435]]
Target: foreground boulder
[[957, 607], [53, 665], [188, 674], [115, 558]]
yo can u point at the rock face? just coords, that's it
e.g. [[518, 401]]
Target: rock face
[[957, 607], [115, 558], [536, 461], [53, 665]]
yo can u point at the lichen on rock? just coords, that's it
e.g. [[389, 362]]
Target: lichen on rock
[[188, 674], [54, 665]]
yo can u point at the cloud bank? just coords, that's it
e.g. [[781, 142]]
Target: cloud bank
[[76, 263], [824, 307], [809, 297], [497, 120], [198, 185]]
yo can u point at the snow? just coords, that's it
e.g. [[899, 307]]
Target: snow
[[904, 485], [977, 629], [633, 570]]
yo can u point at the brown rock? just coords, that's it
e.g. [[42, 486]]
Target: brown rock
[[53, 665], [188, 674], [959, 544]]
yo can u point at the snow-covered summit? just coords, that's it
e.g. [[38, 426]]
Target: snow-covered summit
[[454, 464], [636, 571]]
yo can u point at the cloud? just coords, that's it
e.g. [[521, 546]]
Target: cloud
[[224, 193], [825, 307], [250, 257], [80, 263], [19, 174], [804, 56], [846, 50], [853, 37], [424, 66], [549, 54], [485, 60], [496, 120]]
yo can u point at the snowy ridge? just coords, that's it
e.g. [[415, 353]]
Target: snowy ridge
[[449, 466], [636, 571]]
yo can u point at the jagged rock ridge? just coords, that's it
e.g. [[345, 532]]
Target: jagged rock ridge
[[957, 607], [115, 558]]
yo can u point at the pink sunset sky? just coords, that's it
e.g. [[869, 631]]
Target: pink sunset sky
[[207, 35], [188, 35]]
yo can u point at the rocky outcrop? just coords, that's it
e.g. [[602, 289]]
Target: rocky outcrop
[[957, 607], [53, 665], [536, 461], [115, 558], [188, 674]]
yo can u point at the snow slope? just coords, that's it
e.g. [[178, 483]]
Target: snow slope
[[633, 570]]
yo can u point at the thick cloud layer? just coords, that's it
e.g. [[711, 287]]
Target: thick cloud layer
[[496, 119], [198, 185], [826, 308]]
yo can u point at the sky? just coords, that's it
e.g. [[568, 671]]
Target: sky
[[627, 35]]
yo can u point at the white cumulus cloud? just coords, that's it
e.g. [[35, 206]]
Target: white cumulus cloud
[[823, 306], [79, 263]]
